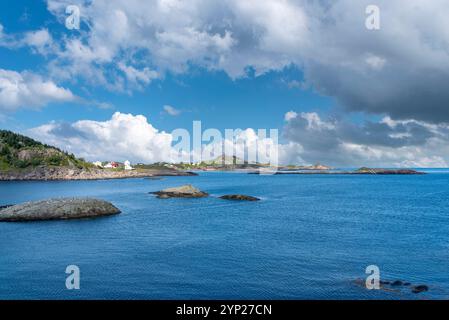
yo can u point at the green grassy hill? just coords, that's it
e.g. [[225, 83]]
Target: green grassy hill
[[21, 152]]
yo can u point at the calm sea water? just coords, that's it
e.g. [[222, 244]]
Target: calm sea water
[[309, 238]]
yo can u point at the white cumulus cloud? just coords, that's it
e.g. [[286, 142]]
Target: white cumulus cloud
[[28, 90], [132, 137], [41, 40], [123, 137]]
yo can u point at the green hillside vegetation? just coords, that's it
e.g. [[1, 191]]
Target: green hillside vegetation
[[21, 152]]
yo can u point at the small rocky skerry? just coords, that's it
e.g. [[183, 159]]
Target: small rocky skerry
[[186, 191], [239, 197], [58, 209], [189, 191]]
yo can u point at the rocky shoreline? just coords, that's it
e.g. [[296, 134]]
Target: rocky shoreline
[[61, 173]]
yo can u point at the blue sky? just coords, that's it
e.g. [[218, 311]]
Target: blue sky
[[210, 96], [351, 94]]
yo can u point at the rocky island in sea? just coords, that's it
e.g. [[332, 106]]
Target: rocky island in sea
[[360, 171], [58, 209], [189, 191], [22, 158], [186, 191], [239, 197]]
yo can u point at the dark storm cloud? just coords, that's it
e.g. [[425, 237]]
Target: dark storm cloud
[[300, 130], [420, 94], [330, 141], [401, 70], [381, 134]]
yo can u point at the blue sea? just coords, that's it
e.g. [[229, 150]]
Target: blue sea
[[309, 237]]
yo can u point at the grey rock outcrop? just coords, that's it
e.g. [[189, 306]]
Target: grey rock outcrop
[[186, 191], [53, 209]]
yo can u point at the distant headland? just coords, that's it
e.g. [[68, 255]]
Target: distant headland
[[361, 171], [22, 158]]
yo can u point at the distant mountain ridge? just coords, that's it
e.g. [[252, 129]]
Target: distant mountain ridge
[[20, 152]]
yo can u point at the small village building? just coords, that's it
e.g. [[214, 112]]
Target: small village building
[[128, 165], [98, 164], [111, 165]]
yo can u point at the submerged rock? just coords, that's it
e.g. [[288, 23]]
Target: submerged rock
[[154, 178], [420, 288], [239, 197], [5, 206], [64, 208], [186, 191], [359, 282], [397, 286]]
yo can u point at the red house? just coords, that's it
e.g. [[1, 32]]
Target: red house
[[114, 164]]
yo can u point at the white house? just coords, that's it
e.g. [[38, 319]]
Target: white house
[[128, 165], [98, 164]]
